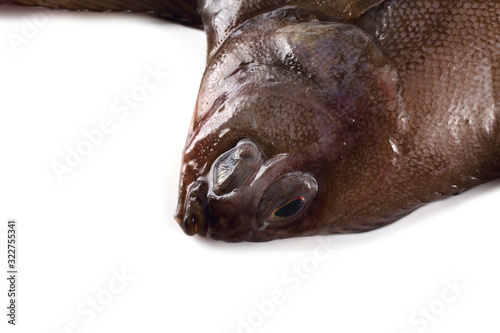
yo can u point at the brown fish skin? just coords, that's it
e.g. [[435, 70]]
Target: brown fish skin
[[220, 18], [342, 115], [395, 110]]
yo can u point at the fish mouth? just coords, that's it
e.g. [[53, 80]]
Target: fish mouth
[[193, 215]]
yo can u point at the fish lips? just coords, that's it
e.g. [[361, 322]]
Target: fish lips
[[193, 216]]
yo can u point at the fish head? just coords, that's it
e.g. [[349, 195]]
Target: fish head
[[250, 193], [275, 125]]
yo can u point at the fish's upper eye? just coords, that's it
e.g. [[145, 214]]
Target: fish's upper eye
[[287, 198], [233, 167]]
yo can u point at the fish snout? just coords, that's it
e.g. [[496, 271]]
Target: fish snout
[[193, 215]]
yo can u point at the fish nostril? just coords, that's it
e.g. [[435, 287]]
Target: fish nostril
[[194, 219]]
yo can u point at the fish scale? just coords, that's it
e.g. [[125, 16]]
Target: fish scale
[[421, 88], [364, 110]]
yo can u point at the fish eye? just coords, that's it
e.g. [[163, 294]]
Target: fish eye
[[290, 208], [287, 199], [233, 167]]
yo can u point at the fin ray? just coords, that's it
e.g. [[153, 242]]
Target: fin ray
[[181, 11]]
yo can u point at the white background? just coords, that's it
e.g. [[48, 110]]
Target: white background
[[113, 213]]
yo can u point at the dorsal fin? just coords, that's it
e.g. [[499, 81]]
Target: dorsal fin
[[181, 11]]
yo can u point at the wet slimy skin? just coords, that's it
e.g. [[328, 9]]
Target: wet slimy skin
[[332, 116], [315, 120]]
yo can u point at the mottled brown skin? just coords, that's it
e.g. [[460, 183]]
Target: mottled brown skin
[[221, 18], [388, 108], [324, 117]]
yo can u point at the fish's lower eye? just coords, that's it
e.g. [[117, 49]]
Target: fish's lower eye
[[287, 199], [290, 208]]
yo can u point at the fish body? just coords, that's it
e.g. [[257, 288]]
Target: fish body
[[332, 116], [357, 118]]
